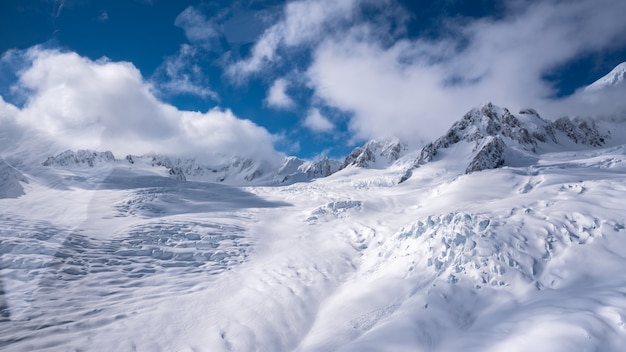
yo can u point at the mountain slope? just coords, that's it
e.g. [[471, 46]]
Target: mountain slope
[[11, 181], [616, 77]]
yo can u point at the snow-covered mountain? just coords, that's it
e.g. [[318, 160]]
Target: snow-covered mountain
[[238, 171], [81, 157], [490, 137], [298, 170], [616, 77], [165, 253], [376, 154]]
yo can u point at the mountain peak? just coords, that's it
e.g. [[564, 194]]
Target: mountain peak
[[376, 153], [500, 138], [490, 120], [616, 77]]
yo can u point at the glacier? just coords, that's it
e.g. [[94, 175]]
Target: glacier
[[507, 233]]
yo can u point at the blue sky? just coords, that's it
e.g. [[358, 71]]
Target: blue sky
[[312, 76]]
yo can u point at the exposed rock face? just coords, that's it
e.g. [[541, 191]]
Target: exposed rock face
[[298, 170], [581, 131], [321, 168], [492, 121], [376, 153], [81, 157], [488, 155], [496, 132]]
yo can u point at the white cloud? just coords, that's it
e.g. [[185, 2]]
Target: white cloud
[[196, 26], [104, 105], [415, 89], [304, 22], [318, 122], [181, 74], [277, 96]]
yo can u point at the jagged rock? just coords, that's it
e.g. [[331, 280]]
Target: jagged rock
[[581, 131], [495, 130], [321, 168], [487, 155], [79, 158], [376, 153], [177, 173]]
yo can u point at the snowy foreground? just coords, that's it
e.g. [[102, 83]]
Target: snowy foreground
[[519, 258]]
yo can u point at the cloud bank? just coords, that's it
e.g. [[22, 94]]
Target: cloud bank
[[105, 105]]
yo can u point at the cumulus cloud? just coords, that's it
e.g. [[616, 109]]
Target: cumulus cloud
[[416, 88], [105, 105], [318, 122], [277, 96]]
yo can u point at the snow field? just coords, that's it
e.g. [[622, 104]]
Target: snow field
[[518, 258]]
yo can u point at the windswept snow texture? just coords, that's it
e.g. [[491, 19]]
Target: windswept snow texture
[[122, 257]]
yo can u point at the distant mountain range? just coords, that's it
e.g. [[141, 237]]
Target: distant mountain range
[[491, 137]]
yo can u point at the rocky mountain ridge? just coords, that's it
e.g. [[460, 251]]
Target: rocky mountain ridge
[[238, 170], [377, 153], [498, 136]]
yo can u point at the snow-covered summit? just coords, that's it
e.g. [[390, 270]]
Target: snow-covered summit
[[376, 154], [616, 77], [498, 138]]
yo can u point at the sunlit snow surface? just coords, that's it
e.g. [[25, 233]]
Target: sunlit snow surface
[[513, 259]]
